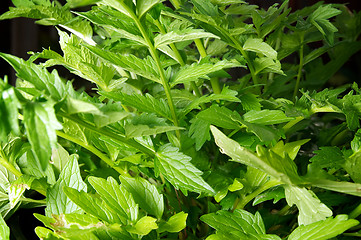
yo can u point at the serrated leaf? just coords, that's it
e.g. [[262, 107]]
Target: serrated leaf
[[38, 76], [257, 45], [319, 18], [181, 36], [132, 131], [325, 229], [226, 94], [115, 21], [92, 205], [146, 103], [199, 131], [179, 171], [145, 195], [266, 117], [175, 223], [267, 65], [57, 202], [195, 71], [142, 67], [116, 197], [219, 116], [240, 224], [40, 124], [328, 157], [310, 208]]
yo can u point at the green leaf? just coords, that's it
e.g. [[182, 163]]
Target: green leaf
[[114, 21], [31, 166], [40, 124], [57, 202], [219, 116], [179, 171], [93, 205], [277, 193], [143, 67], [310, 208], [325, 229], [280, 167], [4, 230], [328, 157], [175, 223], [199, 131], [266, 117], [146, 103], [319, 18], [132, 131], [267, 65], [116, 197], [18, 187], [240, 224], [257, 45], [143, 226], [59, 158], [144, 6], [181, 36], [352, 165], [195, 71], [8, 111], [226, 94], [145, 195], [38, 76]]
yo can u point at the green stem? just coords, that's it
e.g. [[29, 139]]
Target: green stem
[[92, 149], [110, 134], [155, 56], [264, 187], [179, 59], [202, 51], [23, 199], [249, 63], [5, 162], [200, 47], [356, 212], [299, 74], [284, 210]]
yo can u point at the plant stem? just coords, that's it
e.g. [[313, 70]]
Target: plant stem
[[202, 51], [179, 59], [356, 212], [299, 74], [249, 63], [5, 162], [155, 56], [92, 149], [110, 134], [200, 47], [264, 187]]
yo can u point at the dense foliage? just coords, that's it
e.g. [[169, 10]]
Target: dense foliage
[[207, 119]]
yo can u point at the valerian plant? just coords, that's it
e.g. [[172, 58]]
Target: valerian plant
[[200, 113]]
